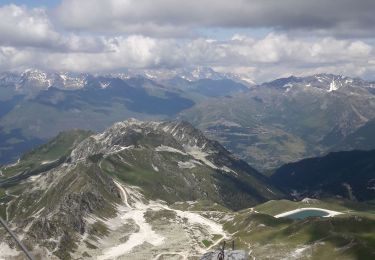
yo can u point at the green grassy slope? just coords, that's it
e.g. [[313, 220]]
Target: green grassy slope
[[347, 236]]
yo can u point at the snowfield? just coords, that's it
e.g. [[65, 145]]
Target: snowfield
[[134, 236]]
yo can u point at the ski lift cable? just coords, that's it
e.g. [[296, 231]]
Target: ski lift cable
[[13, 235]]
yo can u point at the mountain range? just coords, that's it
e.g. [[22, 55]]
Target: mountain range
[[267, 125], [287, 119], [36, 105]]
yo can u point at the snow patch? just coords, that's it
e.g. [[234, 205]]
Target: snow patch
[[119, 148], [155, 168], [48, 162], [164, 148], [195, 218], [145, 234], [298, 253], [200, 155], [186, 165], [7, 252], [104, 85], [33, 178], [333, 86], [288, 85]]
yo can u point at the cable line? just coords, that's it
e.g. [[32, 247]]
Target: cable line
[[12, 234]]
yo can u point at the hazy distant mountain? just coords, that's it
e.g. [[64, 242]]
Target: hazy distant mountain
[[361, 139], [189, 74], [287, 119], [32, 80], [267, 125], [38, 104]]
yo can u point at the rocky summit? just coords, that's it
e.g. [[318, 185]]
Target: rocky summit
[[123, 191]]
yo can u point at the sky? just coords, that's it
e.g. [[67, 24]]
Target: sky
[[262, 39]]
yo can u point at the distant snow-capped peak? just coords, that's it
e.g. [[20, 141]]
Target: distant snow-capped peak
[[333, 86], [189, 74], [321, 82], [37, 79]]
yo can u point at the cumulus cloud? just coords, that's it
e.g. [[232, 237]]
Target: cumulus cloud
[[20, 26], [272, 55], [171, 17], [98, 36], [23, 27]]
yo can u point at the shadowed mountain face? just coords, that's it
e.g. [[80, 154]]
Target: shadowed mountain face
[[66, 193], [349, 175]]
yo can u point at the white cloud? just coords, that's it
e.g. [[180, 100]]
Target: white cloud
[[273, 55], [120, 16], [29, 38], [20, 26], [173, 17], [23, 27]]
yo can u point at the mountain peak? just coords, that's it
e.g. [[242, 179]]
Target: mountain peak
[[179, 135], [323, 81], [91, 189], [31, 80]]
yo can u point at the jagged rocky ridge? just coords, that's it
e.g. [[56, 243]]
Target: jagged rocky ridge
[[186, 149], [66, 200]]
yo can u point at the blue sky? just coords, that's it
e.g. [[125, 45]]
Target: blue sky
[[31, 3]]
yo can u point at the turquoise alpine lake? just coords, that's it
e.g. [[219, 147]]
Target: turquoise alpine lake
[[306, 214]]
